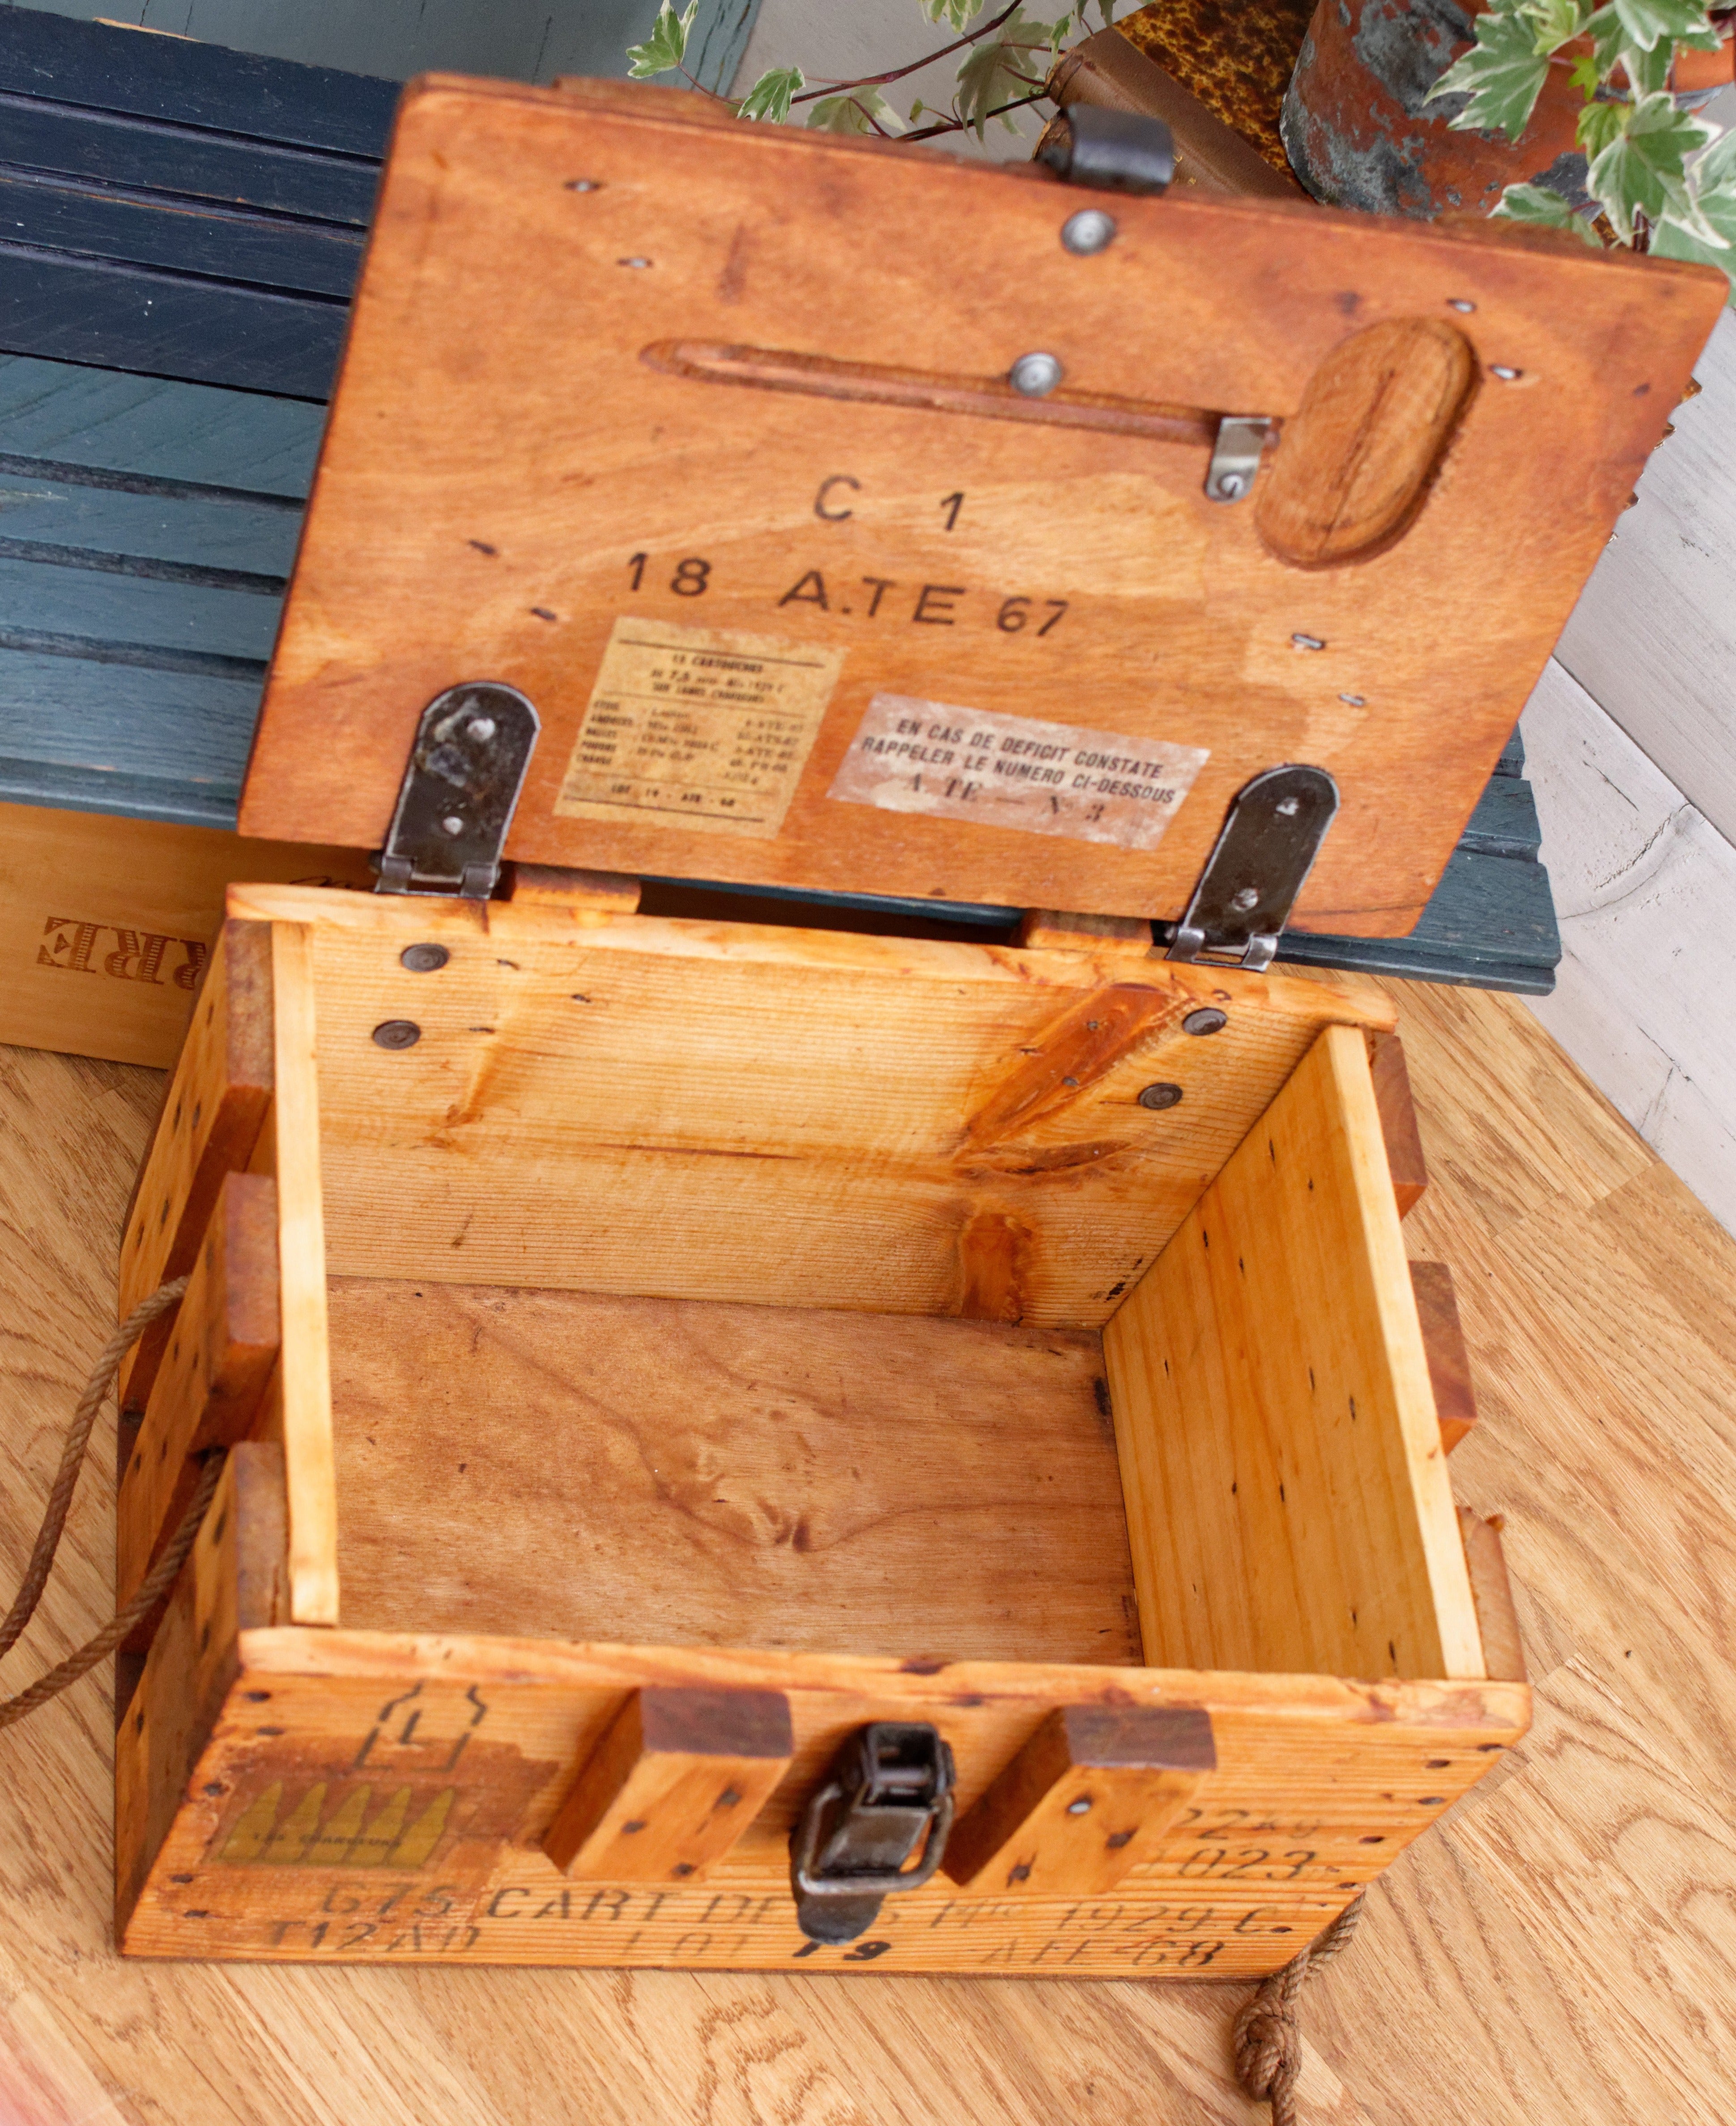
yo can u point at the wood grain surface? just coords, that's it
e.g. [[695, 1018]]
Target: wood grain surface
[[674, 1472], [1558, 1947], [504, 486]]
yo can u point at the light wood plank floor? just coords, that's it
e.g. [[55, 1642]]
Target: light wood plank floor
[[1561, 1949]]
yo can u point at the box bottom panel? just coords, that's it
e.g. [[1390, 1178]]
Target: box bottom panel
[[692, 1473]]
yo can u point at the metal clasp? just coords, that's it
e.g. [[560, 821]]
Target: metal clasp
[[889, 1789], [459, 789], [1258, 864], [1236, 457]]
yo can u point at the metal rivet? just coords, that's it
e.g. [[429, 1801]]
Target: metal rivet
[[1208, 1019], [1307, 642], [424, 959], [1161, 1096], [1083, 233], [398, 1034], [1227, 487], [1459, 303], [1082, 1807], [1244, 898], [637, 264], [1289, 807], [481, 728], [1507, 375], [1035, 374], [451, 824]]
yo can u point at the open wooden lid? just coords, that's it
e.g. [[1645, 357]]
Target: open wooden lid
[[702, 435]]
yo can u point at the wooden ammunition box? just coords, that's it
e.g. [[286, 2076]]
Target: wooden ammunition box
[[654, 1345]]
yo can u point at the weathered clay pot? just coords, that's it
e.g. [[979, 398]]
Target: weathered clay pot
[[1359, 133]]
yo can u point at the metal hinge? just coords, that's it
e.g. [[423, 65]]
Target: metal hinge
[[1258, 864], [889, 1789], [455, 802], [1235, 455]]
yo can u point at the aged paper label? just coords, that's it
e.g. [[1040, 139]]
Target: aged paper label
[[698, 727], [1039, 779]]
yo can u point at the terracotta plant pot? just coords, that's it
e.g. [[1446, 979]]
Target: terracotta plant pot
[[1359, 133]]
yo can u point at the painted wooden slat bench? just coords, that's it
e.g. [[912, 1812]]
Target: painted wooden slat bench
[[180, 227]]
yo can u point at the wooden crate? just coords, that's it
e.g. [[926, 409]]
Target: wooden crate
[[651, 1345], [710, 1307]]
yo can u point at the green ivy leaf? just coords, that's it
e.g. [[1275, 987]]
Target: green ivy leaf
[[769, 96], [1598, 124], [959, 14], [1713, 179], [1648, 72], [1555, 22], [1644, 168], [1543, 209], [666, 46], [856, 110], [1502, 74], [1003, 67], [1645, 21]]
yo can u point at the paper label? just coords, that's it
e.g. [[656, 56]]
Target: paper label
[[695, 727], [1037, 778]]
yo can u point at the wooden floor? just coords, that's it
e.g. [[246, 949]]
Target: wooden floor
[[1562, 1949]]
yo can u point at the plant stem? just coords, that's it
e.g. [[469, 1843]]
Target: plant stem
[[915, 66]]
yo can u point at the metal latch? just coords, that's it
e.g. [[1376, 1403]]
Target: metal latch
[[1235, 455], [1114, 151], [1258, 865], [466, 768], [889, 1788]]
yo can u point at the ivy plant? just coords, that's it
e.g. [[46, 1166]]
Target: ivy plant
[[1003, 66], [1660, 179]]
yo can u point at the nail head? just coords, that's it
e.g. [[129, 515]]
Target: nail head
[[1208, 1019], [1035, 374], [1161, 1096], [1091, 231], [424, 959], [397, 1033]]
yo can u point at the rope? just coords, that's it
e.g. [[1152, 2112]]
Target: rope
[[1268, 2036], [161, 1575]]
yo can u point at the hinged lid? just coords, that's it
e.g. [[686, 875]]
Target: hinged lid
[[849, 527]]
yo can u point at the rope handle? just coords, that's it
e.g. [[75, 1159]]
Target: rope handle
[[1268, 2038], [161, 1575]]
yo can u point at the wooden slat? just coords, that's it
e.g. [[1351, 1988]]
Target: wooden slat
[[310, 1470], [335, 1747], [627, 1105], [216, 1106], [198, 84], [766, 1476], [1398, 1127], [1053, 930], [547, 885], [428, 486], [1288, 1503], [222, 1347], [151, 429], [1089, 1797], [233, 1581], [38, 598], [1443, 1340], [112, 532], [672, 1786], [1497, 1621]]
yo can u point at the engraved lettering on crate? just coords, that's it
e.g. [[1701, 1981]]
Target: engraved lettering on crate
[[946, 762], [70, 944], [697, 727]]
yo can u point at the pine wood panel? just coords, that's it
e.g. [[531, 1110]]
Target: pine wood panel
[[641, 1105], [1476, 1970], [444, 491], [305, 1419], [684, 1473], [466, 1747], [1287, 1501]]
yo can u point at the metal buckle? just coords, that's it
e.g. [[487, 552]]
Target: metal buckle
[[455, 802], [1258, 864], [890, 1784]]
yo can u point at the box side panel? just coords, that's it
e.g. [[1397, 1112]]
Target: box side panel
[[366, 1797], [1287, 1502], [632, 1104]]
